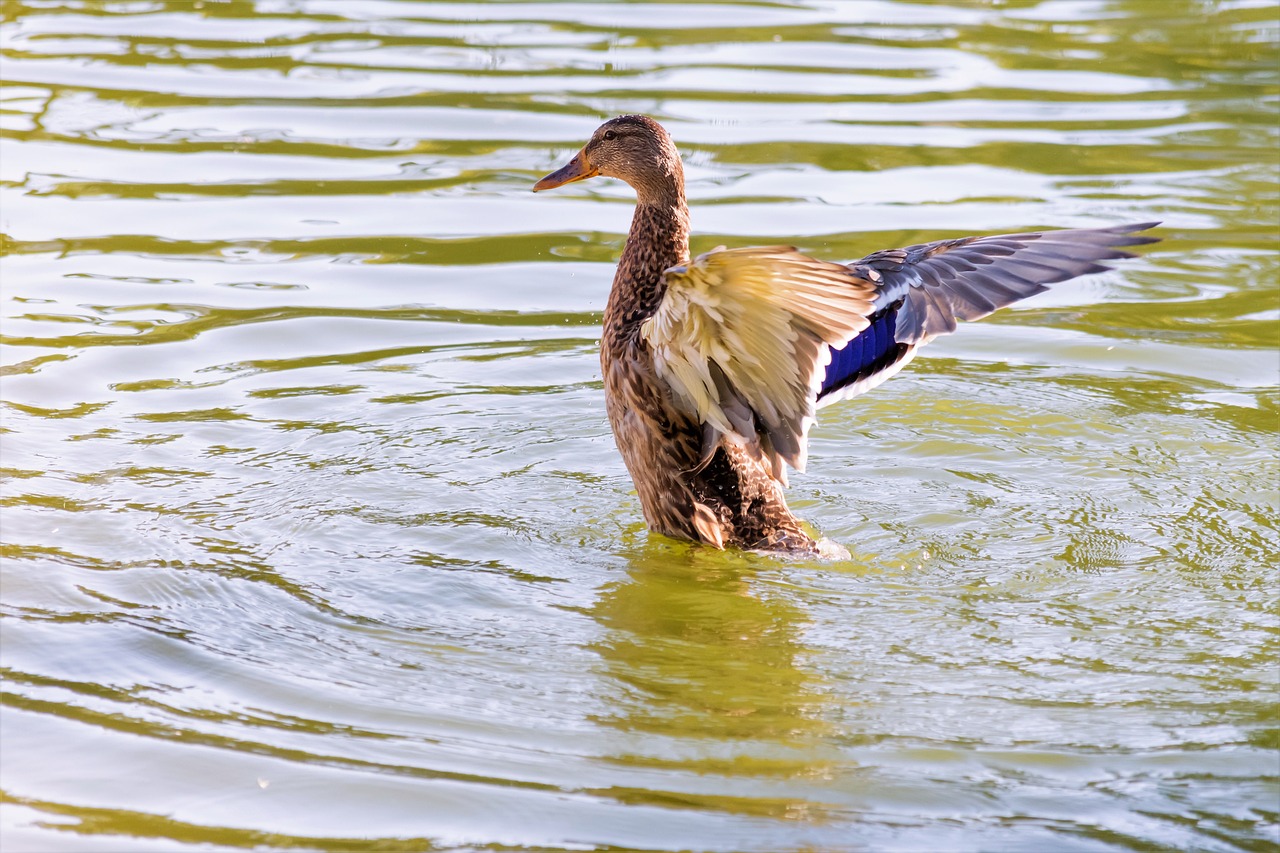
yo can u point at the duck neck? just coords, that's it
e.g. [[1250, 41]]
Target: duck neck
[[658, 240]]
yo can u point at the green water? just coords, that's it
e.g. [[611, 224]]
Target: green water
[[314, 532]]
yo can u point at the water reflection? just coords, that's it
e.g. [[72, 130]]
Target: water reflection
[[706, 650], [707, 675]]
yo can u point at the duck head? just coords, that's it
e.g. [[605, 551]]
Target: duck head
[[632, 148]]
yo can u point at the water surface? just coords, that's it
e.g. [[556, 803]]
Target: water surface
[[315, 535]]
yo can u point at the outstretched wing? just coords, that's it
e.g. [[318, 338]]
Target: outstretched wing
[[743, 336], [752, 341], [923, 290]]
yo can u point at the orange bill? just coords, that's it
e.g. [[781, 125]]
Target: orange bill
[[577, 169]]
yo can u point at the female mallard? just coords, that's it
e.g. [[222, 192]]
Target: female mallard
[[713, 369]]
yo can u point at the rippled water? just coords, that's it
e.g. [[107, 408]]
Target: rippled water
[[314, 531]]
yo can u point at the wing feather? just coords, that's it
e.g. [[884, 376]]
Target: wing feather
[[968, 278], [753, 330]]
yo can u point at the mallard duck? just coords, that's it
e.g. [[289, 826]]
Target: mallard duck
[[714, 367]]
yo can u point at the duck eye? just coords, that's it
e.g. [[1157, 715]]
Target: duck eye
[[609, 134]]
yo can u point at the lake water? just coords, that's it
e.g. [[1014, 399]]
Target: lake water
[[314, 532]]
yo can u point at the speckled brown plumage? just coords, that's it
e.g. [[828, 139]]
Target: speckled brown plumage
[[742, 504]]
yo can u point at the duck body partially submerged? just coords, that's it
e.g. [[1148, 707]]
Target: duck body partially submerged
[[714, 367]]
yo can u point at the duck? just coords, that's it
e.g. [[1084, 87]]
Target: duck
[[714, 367]]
